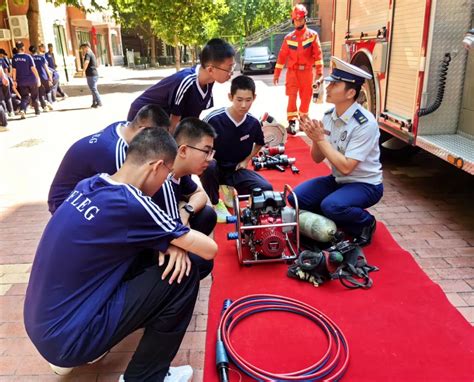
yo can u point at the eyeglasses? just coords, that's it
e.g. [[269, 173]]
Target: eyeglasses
[[170, 170], [209, 153], [226, 70]]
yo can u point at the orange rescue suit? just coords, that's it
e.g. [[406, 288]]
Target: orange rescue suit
[[301, 50]]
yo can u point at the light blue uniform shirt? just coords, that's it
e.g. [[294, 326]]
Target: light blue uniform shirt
[[355, 134]]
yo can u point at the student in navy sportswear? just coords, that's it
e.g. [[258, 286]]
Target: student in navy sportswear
[[26, 79], [195, 140], [239, 138], [188, 92], [51, 60], [91, 284], [104, 151], [46, 77]]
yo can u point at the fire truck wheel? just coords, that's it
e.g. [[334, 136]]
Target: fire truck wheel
[[367, 94]]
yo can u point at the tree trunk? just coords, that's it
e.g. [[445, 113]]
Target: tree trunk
[[177, 54], [153, 51], [33, 22], [193, 54]]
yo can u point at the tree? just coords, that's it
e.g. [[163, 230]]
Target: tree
[[186, 22], [246, 17], [135, 15]]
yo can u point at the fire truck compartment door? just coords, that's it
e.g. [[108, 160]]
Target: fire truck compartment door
[[340, 28], [405, 58], [368, 16]]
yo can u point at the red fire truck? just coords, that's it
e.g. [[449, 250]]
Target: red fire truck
[[422, 92]]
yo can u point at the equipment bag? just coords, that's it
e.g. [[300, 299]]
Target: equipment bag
[[317, 267]]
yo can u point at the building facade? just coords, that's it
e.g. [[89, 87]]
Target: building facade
[[66, 28]]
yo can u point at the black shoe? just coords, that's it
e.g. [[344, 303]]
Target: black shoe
[[98, 104], [94, 105], [366, 235], [291, 129]]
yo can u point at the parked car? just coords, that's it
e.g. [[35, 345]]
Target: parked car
[[257, 59]]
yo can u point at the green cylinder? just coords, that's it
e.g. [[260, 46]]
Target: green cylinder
[[317, 227]]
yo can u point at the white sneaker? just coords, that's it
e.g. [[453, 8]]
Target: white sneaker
[[221, 212], [61, 370], [45, 109], [22, 114], [49, 106], [175, 374], [228, 193], [179, 374]]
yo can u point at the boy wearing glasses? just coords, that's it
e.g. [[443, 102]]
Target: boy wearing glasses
[[188, 92], [91, 284], [180, 196], [104, 151], [239, 138]]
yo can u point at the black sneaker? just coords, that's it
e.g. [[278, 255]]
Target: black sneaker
[[94, 105], [366, 235], [291, 129]]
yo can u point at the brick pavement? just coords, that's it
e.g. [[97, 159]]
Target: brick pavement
[[429, 212]]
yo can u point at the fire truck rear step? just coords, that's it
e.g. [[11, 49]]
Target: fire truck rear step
[[453, 148]]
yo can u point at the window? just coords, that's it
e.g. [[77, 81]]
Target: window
[[116, 46]]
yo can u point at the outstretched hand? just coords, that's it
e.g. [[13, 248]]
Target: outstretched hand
[[178, 262]]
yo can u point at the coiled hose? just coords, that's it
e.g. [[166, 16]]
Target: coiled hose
[[332, 365], [443, 73]]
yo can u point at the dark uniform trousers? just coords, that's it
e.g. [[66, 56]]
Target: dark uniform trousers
[[243, 180], [45, 93], [25, 91], [342, 203], [203, 221], [6, 97], [163, 310]]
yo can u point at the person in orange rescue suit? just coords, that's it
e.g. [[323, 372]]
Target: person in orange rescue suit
[[300, 51]]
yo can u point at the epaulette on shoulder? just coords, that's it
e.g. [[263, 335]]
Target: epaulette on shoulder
[[289, 34], [360, 117], [329, 111]]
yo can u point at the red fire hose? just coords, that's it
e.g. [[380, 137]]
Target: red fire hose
[[330, 367]]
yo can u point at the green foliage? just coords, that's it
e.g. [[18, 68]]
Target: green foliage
[[249, 16], [188, 22]]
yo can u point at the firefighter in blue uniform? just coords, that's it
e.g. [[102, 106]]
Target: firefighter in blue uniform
[[348, 137]]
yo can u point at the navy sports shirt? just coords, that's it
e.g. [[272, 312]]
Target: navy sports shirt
[[40, 60], [172, 192], [23, 62], [50, 59], [5, 62], [178, 94], [234, 140], [104, 151], [75, 294]]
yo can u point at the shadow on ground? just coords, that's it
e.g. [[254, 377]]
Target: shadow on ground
[[81, 90]]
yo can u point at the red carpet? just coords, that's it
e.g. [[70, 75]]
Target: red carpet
[[403, 329]]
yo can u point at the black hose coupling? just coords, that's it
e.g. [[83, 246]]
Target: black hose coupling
[[443, 73], [222, 361]]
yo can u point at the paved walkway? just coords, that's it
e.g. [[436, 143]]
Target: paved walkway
[[427, 206]]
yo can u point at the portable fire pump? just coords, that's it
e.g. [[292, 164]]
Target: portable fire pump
[[266, 229]]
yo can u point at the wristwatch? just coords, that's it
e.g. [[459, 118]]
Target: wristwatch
[[189, 209]]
